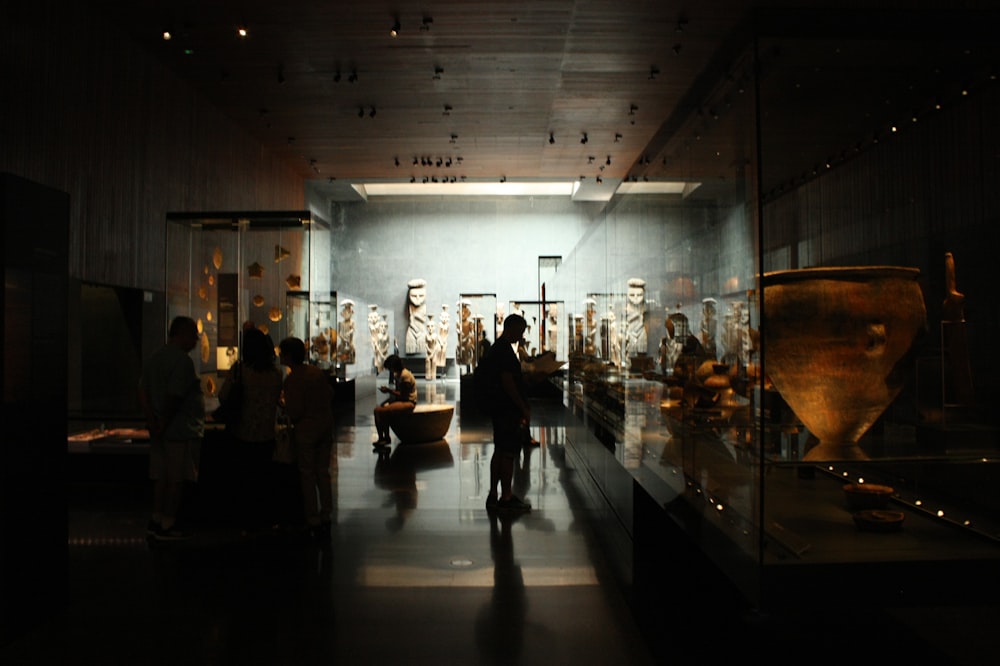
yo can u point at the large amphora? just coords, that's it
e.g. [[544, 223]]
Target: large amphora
[[838, 345]]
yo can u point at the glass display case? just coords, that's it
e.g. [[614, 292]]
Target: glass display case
[[235, 269], [807, 410]]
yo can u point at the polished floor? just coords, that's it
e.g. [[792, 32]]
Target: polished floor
[[416, 571]]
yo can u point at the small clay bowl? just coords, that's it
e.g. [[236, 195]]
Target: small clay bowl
[[877, 520], [862, 496]]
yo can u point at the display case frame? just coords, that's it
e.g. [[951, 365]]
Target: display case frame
[[710, 442], [231, 269]]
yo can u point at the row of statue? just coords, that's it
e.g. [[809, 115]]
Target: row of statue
[[590, 333]]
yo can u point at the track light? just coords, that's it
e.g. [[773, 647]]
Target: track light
[[447, 110], [599, 181], [394, 30], [552, 139], [453, 139], [415, 161], [353, 78], [503, 179], [676, 49], [425, 23], [396, 160], [632, 109], [242, 32], [371, 113], [584, 140], [609, 160], [438, 71], [653, 71], [590, 159], [618, 137], [361, 112]]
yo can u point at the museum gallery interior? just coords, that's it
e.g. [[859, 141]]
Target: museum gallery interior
[[753, 248]]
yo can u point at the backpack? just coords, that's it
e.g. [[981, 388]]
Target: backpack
[[484, 385]]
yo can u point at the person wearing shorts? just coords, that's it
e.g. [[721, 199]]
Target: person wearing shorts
[[174, 406], [511, 416]]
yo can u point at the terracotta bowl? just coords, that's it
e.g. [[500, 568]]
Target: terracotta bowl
[[867, 496], [877, 520]]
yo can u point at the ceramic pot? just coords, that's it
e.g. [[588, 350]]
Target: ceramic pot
[[838, 346]]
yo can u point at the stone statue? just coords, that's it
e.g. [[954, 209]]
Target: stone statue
[[373, 326], [552, 329], [346, 353], [431, 345], [381, 342], [466, 349], [709, 327], [577, 334], [444, 323], [590, 327], [500, 315], [416, 332], [636, 341]]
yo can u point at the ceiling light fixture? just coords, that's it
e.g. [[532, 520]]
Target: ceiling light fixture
[[425, 23], [453, 139], [394, 30], [371, 113], [552, 139], [608, 161], [242, 32], [167, 36], [584, 140], [447, 110], [618, 137], [438, 71], [653, 71], [396, 160], [353, 78]]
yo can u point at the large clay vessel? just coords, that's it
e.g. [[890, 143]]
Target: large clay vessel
[[838, 345]]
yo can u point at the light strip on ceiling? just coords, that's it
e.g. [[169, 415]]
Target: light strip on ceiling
[[467, 189], [657, 187]]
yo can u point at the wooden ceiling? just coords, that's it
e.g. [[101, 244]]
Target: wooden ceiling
[[522, 90]]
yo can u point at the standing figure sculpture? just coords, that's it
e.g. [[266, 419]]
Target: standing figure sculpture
[[636, 340], [466, 349], [614, 339], [590, 327], [444, 323], [499, 317], [953, 330], [552, 329], [416, 332], [381, 342], [373, 324], [709, 327], [431, 344], [346, 353], [670, 346]]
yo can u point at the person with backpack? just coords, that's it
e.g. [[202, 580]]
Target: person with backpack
[[510, 415]]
